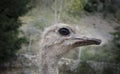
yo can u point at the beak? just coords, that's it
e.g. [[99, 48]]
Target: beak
[[85, 41]]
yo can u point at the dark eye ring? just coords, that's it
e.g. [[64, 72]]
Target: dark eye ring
[[64, 31]]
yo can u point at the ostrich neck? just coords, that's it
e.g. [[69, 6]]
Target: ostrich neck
[[48, 64]]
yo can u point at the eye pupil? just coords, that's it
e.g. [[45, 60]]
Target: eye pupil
[[64, 31]]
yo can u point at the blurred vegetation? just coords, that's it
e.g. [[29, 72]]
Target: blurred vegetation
[[116, 44], [101, 54], [10, 42], [76, 6], [105, 56], [82, 68], [104, 6], [108, 70]]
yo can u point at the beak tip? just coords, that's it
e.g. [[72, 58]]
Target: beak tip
[[93, 41], [98, 42]]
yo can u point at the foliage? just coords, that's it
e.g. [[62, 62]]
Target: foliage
[[108, 70], [83, 68], [91, 6], [116, 43], [44, 3], [105, 6], [75, 7], [103, 53], [117, 15], [10, 42]]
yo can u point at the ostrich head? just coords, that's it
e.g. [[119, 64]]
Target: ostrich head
[[61, 38]]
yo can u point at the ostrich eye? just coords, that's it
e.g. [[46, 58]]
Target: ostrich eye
[[64, 31]]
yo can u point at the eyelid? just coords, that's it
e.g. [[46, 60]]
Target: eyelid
[[70, 29]]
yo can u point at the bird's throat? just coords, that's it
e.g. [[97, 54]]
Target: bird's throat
[[48, 65]]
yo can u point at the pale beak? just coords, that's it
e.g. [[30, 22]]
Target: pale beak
[[86, 41]]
